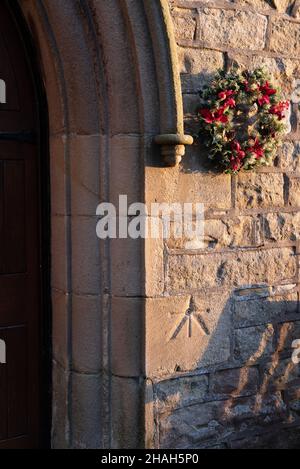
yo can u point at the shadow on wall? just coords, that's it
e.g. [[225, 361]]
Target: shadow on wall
[[251, 398]]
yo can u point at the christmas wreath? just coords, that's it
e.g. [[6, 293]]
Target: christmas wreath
[[242, 119]]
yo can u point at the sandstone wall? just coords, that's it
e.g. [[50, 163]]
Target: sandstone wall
[[221, 323]]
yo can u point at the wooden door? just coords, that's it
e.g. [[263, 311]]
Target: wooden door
[[20, 295]]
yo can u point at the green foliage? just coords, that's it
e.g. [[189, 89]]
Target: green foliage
[[241, 119]]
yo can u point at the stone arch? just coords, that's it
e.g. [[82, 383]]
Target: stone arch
[[112, 85]]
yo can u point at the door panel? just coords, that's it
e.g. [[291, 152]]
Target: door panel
[[20, 286]]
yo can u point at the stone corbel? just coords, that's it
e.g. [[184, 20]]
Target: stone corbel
[[171, 138], [173, 147]]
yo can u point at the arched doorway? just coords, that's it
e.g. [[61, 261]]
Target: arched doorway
[[112, 85], [23, 252]]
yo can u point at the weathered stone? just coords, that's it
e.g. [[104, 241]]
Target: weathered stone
[[86, 334], [125, 165], [285, 37], [228, 232], [279, 374], [296, 10], [197, 67], [260, 190], [58, 177], [254, 343], [126, 415], [184, 334], [86, 256], [294, 192], [190, 426], [219, 234], [274, 227], [287, 333], [233, 28], [292, 396], [289, 156], [265, 310], [195, 272], [59, 253], [190, 103], [271, 438], [180, 392], [85, 191], [258, 409], [127, 356], [60, 303], [209, 423], [235, 382], [86, 411], [255, 4], [282, 5], [185, 24], [127, 267], [154, 264], [172, 186], [60, 408]]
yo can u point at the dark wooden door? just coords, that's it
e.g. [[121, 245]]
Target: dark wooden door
[[20, 310]]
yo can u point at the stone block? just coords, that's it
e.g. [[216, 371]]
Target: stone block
[[254, 343], [126, 336], [127, 267], [233, 28], [190, 426], [59, 253], [86, 411], [58, 177], [127, 413], [154, 262], [211, 423], [265, 310], [180, 392], [185, 24], [173, 186], [285, 37], [60, 327], [126, 162], [275, 227], [60, 408], [260, 191], [235, 382], [289, 157], [255, 4], [287, 333], [279, 374], [184, 334], [218, 234], [85, 174], [187, 273], [87, 334], [294, 192], [86, 268], [197, 67]]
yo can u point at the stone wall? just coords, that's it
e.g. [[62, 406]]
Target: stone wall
[[221, 324]]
